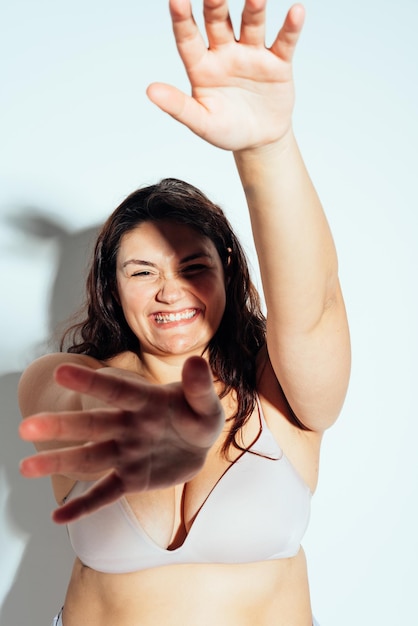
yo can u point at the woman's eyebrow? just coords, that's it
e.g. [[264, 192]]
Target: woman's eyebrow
[[138, 262], [186, 259], [196, 255]]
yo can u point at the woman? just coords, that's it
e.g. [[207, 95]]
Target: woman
[[183, 430]]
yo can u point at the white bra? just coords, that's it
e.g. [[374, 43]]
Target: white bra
[[257, 511]]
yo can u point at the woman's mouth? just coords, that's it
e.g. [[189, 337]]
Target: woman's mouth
[[166, 318]]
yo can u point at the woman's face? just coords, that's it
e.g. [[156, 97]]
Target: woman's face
[[171, 287]]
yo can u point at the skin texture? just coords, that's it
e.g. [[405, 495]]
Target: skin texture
[[152, 421]]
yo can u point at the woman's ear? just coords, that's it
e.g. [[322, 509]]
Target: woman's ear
[[227, 267], [228, 258]]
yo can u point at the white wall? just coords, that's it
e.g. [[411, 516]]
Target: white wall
[[78, 134]]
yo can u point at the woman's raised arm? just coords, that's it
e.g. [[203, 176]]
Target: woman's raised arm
[[242, 98]]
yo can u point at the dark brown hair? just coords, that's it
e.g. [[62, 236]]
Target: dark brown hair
[[232, 351]]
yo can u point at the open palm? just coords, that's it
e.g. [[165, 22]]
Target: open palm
[[241, 92], [150, 436]]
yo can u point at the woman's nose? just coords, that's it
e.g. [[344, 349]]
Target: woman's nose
[[171, 290]]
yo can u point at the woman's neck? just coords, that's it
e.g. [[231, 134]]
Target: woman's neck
[[154, 368]]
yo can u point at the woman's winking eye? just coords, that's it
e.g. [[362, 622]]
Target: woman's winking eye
[[188, 270]]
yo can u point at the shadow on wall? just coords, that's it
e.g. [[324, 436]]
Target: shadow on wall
[[38, 589]]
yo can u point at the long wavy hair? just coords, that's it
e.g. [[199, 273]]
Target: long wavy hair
[[104, 332]]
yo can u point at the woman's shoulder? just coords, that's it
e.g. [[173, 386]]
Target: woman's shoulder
[[48, 362], [37, 381]]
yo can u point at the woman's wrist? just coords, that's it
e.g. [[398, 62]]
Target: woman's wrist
[[267, 152]]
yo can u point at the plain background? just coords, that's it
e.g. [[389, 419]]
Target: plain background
[[77, 134]]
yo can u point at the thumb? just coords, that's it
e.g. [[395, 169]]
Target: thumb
[[180, 106], [200, 394]]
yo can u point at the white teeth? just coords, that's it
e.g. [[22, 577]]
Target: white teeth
[[163, 318]]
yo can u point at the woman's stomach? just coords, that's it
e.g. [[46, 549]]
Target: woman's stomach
[[268, 593]]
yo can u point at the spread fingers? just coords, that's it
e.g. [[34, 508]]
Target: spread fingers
[[107, 490], [114, 390], [253, 23], [189, 40], [285, 42], [94, 425], [218, 23], [87, 459]]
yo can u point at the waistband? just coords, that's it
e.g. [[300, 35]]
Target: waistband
[[57, 621]]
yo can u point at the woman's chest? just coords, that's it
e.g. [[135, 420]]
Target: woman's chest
[[168, 515]]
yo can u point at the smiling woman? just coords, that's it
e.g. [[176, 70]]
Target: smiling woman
[[180, 427], [168, 250]]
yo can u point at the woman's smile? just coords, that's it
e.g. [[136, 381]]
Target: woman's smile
[[169, 319]]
